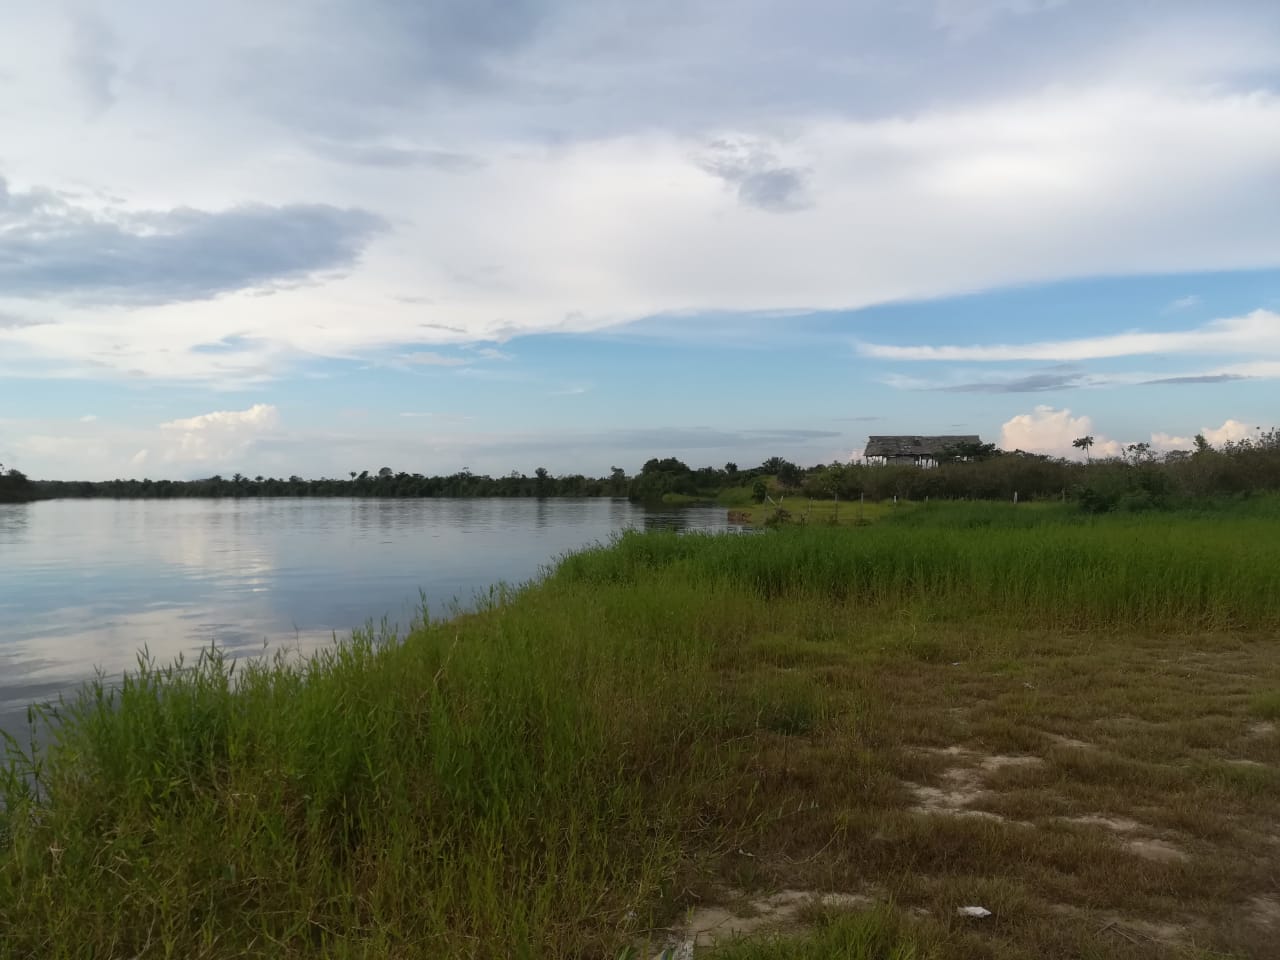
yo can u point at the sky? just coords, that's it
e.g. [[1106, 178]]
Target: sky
[[316, 236]]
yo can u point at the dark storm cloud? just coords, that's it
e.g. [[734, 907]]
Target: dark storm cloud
[[49, 247]]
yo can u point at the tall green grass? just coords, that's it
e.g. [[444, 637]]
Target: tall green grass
[[516, 783], [1147, 572], [531, 779]]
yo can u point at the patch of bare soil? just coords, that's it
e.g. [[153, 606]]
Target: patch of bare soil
[[1058, 740], [740, 916], [1149, 847], [964, 783], [1153, 848], [1117, 824], [1265, 912]]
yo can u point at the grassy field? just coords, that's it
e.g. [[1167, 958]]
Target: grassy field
[[814, 742]]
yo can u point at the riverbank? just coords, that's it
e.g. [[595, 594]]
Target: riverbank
[[1070, 722]]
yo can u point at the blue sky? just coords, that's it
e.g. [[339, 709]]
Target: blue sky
[[512, 233]]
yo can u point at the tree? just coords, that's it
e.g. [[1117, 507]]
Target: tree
[[1083, 443], [15, 487], [759, 490], [788, 474], [666, 465], [384, 472], [1141, 452], [969, 450], [1202, 446]]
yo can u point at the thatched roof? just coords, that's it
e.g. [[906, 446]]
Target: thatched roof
[[923, 447]]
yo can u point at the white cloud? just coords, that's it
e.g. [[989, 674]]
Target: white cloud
[[1252, 334], [1051, 431], [1183, 303], [89, 418], [590, 233], [1230, 431], [218, 436]]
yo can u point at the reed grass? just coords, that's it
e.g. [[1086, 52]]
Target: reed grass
[[1053, 568]]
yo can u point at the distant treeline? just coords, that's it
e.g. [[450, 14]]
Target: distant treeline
[[1140, 478], [15, 487], [381, 483]]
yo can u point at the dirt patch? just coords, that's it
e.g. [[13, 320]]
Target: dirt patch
[[1263, 728], [953, 799], [1127, 721], [740, 916], [1148, 847], [1117, 824], [963, 784], [1060, 741], [998, 762], [1152, 848], [1265, 912]]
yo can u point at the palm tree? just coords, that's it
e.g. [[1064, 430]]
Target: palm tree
[[1083, 443]]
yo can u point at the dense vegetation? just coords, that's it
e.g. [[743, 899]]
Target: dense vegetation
[[15, 487], [382, 483], [1139, 480], [560, 771]]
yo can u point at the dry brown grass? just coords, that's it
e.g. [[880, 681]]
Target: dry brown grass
[[1105, 797]]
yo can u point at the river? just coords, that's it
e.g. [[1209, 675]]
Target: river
[[87, 584]]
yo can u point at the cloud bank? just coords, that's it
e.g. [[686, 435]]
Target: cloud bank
[[1051, 431], [406, 174]]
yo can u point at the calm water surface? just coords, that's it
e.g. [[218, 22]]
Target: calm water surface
[[86, 584]]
